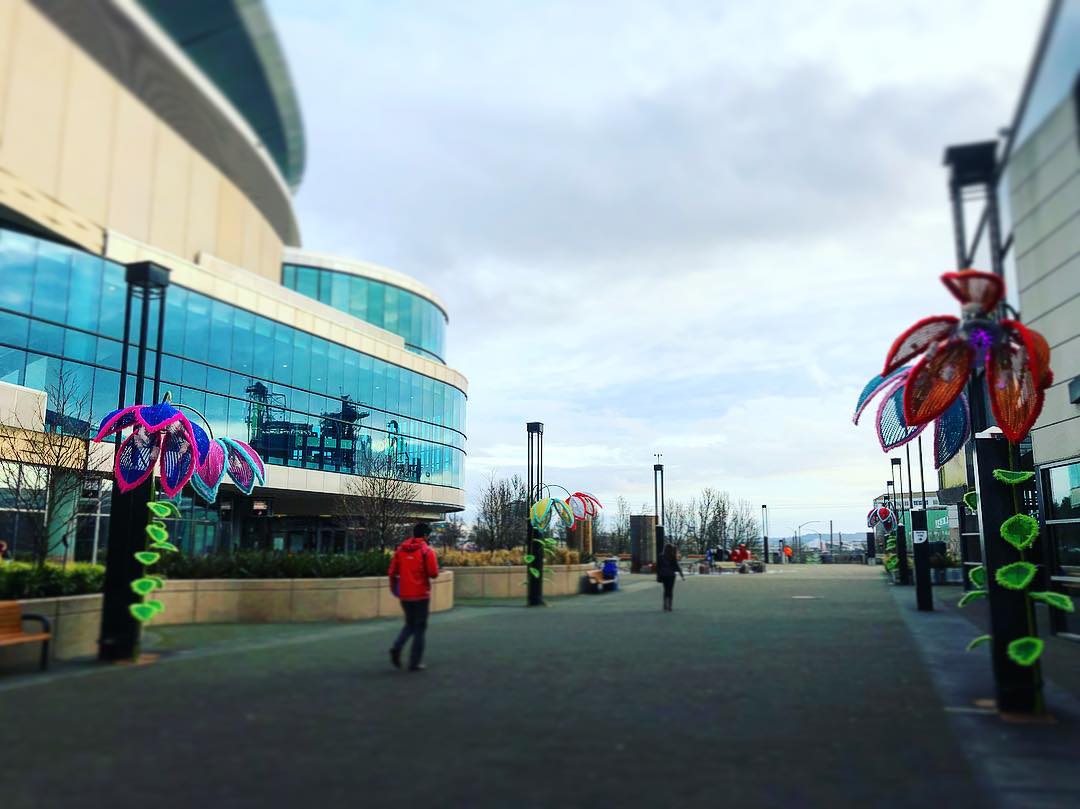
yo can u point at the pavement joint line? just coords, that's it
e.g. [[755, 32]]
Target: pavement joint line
[[223, 647]]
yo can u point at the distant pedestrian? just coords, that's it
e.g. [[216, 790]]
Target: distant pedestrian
[[741, 557], [411, 570], [709, 559], [666, 568]]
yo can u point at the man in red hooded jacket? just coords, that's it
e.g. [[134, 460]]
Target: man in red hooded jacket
[[411, 571]]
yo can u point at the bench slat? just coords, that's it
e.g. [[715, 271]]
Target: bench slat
[[14, 640]]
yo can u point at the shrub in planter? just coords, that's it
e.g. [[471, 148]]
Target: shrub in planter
[[24, 580], [500, 558], [276, 565]]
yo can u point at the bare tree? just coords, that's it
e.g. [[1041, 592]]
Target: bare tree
[[452, 531], [676, 522], [744, 526], [46, 467], [379, 503], [501, 516]]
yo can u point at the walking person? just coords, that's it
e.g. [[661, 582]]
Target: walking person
[[666, 568], [411, 571]]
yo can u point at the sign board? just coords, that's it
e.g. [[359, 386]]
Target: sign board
[[918, 536]]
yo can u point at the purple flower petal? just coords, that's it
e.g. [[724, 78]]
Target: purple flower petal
[[177, 456], [135, 459]]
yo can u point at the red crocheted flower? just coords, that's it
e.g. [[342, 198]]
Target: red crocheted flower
[[1017, 359]]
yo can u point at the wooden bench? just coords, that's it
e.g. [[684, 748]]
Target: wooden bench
[[11, 629], [595, 581]]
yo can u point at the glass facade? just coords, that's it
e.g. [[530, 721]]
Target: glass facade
[[418, 321], [302, 401]]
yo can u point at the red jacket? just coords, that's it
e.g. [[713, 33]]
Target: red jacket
[[414, 566], [740, 555]]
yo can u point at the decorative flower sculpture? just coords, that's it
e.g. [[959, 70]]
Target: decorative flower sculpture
[[543, 510], [220, 455], [182, 450], [161, 435], [1017, 358], [882, 515], [584, 506], [951, 428]]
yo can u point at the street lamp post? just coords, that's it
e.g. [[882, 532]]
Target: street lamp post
[[798, 536], [901, 530], [534, 487], [765, 534], [658, 500], [119, 638]]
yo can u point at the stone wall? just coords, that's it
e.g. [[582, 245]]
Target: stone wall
[[509, 581], [76, 620]]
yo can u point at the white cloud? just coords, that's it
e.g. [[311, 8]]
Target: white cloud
[[685, 226]]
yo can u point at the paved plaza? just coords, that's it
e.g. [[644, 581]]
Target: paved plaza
[[806, 687]]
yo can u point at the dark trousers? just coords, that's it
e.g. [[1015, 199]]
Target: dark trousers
[[416, 613], [669, 589]]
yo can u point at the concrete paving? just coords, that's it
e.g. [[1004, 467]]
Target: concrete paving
[[800, 688]]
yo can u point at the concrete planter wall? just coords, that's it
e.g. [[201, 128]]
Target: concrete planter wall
[[509, 581], [76, 620], [268, 601], [75, 624]]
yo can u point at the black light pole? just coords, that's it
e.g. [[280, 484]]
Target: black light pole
[[901, 531], [920, 546], [658, 497], [119, 639], [534, 484], [765, 534]]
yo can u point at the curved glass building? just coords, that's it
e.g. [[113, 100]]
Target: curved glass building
[[166, 132]]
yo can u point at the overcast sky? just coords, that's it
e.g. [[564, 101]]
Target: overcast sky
[[684, 227]]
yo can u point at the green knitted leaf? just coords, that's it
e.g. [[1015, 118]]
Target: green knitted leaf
[[1020, 531], [970, 596], [534, 572], [971, 500], [1012, 478], [979, 641], [144, 585], [164, 508], [157, 605], [164, 546], [158, 580], [1057, 600], [147, 557], [1016, 576], [978, 576], [142, 612], [891, 564], [1025, 651], [529, 558], [890, 545], [157, 532]]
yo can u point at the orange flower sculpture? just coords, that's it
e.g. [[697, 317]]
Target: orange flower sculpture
[[1016, 358]]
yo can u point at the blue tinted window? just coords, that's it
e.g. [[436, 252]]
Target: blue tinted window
[[113, 295], [51, 274], [13, 329], [84, 292], [17, 255], [12, 363]]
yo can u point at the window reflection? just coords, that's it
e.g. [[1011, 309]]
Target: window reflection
[[328, 407]]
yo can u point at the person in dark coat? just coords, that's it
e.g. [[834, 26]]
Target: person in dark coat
[[666, 568]]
